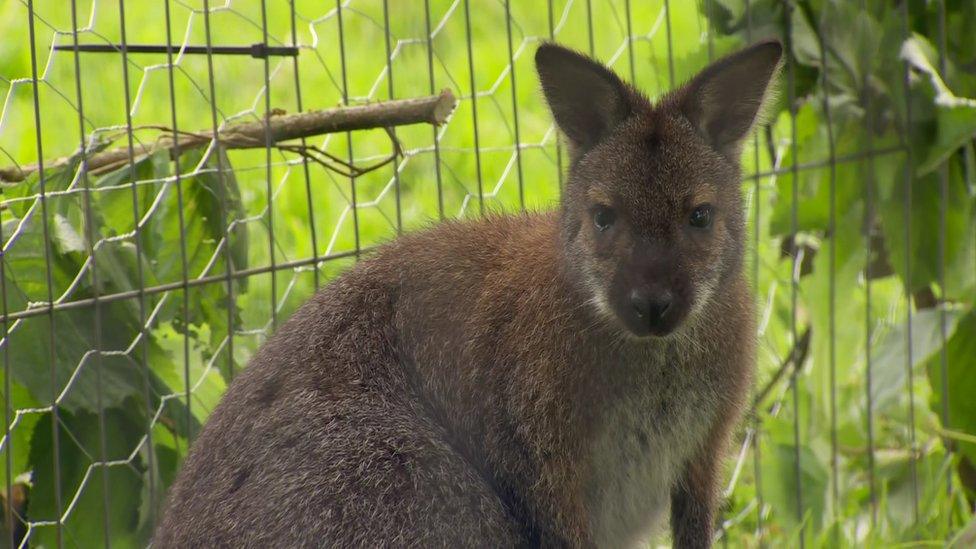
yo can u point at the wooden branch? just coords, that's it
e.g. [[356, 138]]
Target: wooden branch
[[434, 109]]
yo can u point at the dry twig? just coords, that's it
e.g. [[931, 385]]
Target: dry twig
[[275, 130]]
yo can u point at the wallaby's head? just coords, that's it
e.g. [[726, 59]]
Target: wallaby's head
[[652, 220]]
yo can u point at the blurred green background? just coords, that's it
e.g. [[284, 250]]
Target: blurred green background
[[860, 192]]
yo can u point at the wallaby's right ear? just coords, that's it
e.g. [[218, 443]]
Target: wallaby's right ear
[[586, 98]]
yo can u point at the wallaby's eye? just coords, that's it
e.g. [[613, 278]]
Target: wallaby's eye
[[603, 217], [701, 216]]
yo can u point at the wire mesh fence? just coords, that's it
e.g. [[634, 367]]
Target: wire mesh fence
[[133, 289]]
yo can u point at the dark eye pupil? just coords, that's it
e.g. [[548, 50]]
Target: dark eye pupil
[[701, 217], [603, 218]]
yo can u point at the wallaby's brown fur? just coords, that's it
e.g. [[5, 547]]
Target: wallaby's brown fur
[[542, 379]]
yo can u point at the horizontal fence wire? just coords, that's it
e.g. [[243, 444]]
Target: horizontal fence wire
[[204, 253], [259, 50]]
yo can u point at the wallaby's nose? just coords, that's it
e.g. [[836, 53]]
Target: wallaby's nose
[[651, 307]]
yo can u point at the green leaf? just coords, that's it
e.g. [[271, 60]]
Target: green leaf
[[210, 201], [81, 484], [890, 355], [780, 476], [66, 237], [18, 445], [82, 379], [55, 179], [71, 332], [848, 337], [955, 116], [926, 222], [960, 357], [74, 374], [112, 200]]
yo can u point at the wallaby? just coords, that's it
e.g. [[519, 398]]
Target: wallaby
[[554, 379]]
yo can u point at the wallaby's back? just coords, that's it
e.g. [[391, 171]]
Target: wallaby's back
[[323, 439]]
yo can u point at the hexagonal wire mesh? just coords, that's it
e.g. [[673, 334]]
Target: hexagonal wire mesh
[[134, 289]]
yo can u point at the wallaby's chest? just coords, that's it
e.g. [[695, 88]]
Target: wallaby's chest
[[642, 442]]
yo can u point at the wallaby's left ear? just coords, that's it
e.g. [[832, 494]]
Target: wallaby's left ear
[[723, 100]]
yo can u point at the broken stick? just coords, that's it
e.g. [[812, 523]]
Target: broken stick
[[434, 110]]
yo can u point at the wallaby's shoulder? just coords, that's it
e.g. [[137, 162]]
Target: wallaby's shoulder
[[438, 263], [452, 263]]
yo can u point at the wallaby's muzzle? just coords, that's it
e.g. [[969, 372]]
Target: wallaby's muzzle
[[652, 308], [650, 311], [650, 291]]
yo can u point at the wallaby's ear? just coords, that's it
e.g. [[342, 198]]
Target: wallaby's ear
[[724, 100], [586, 99]]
